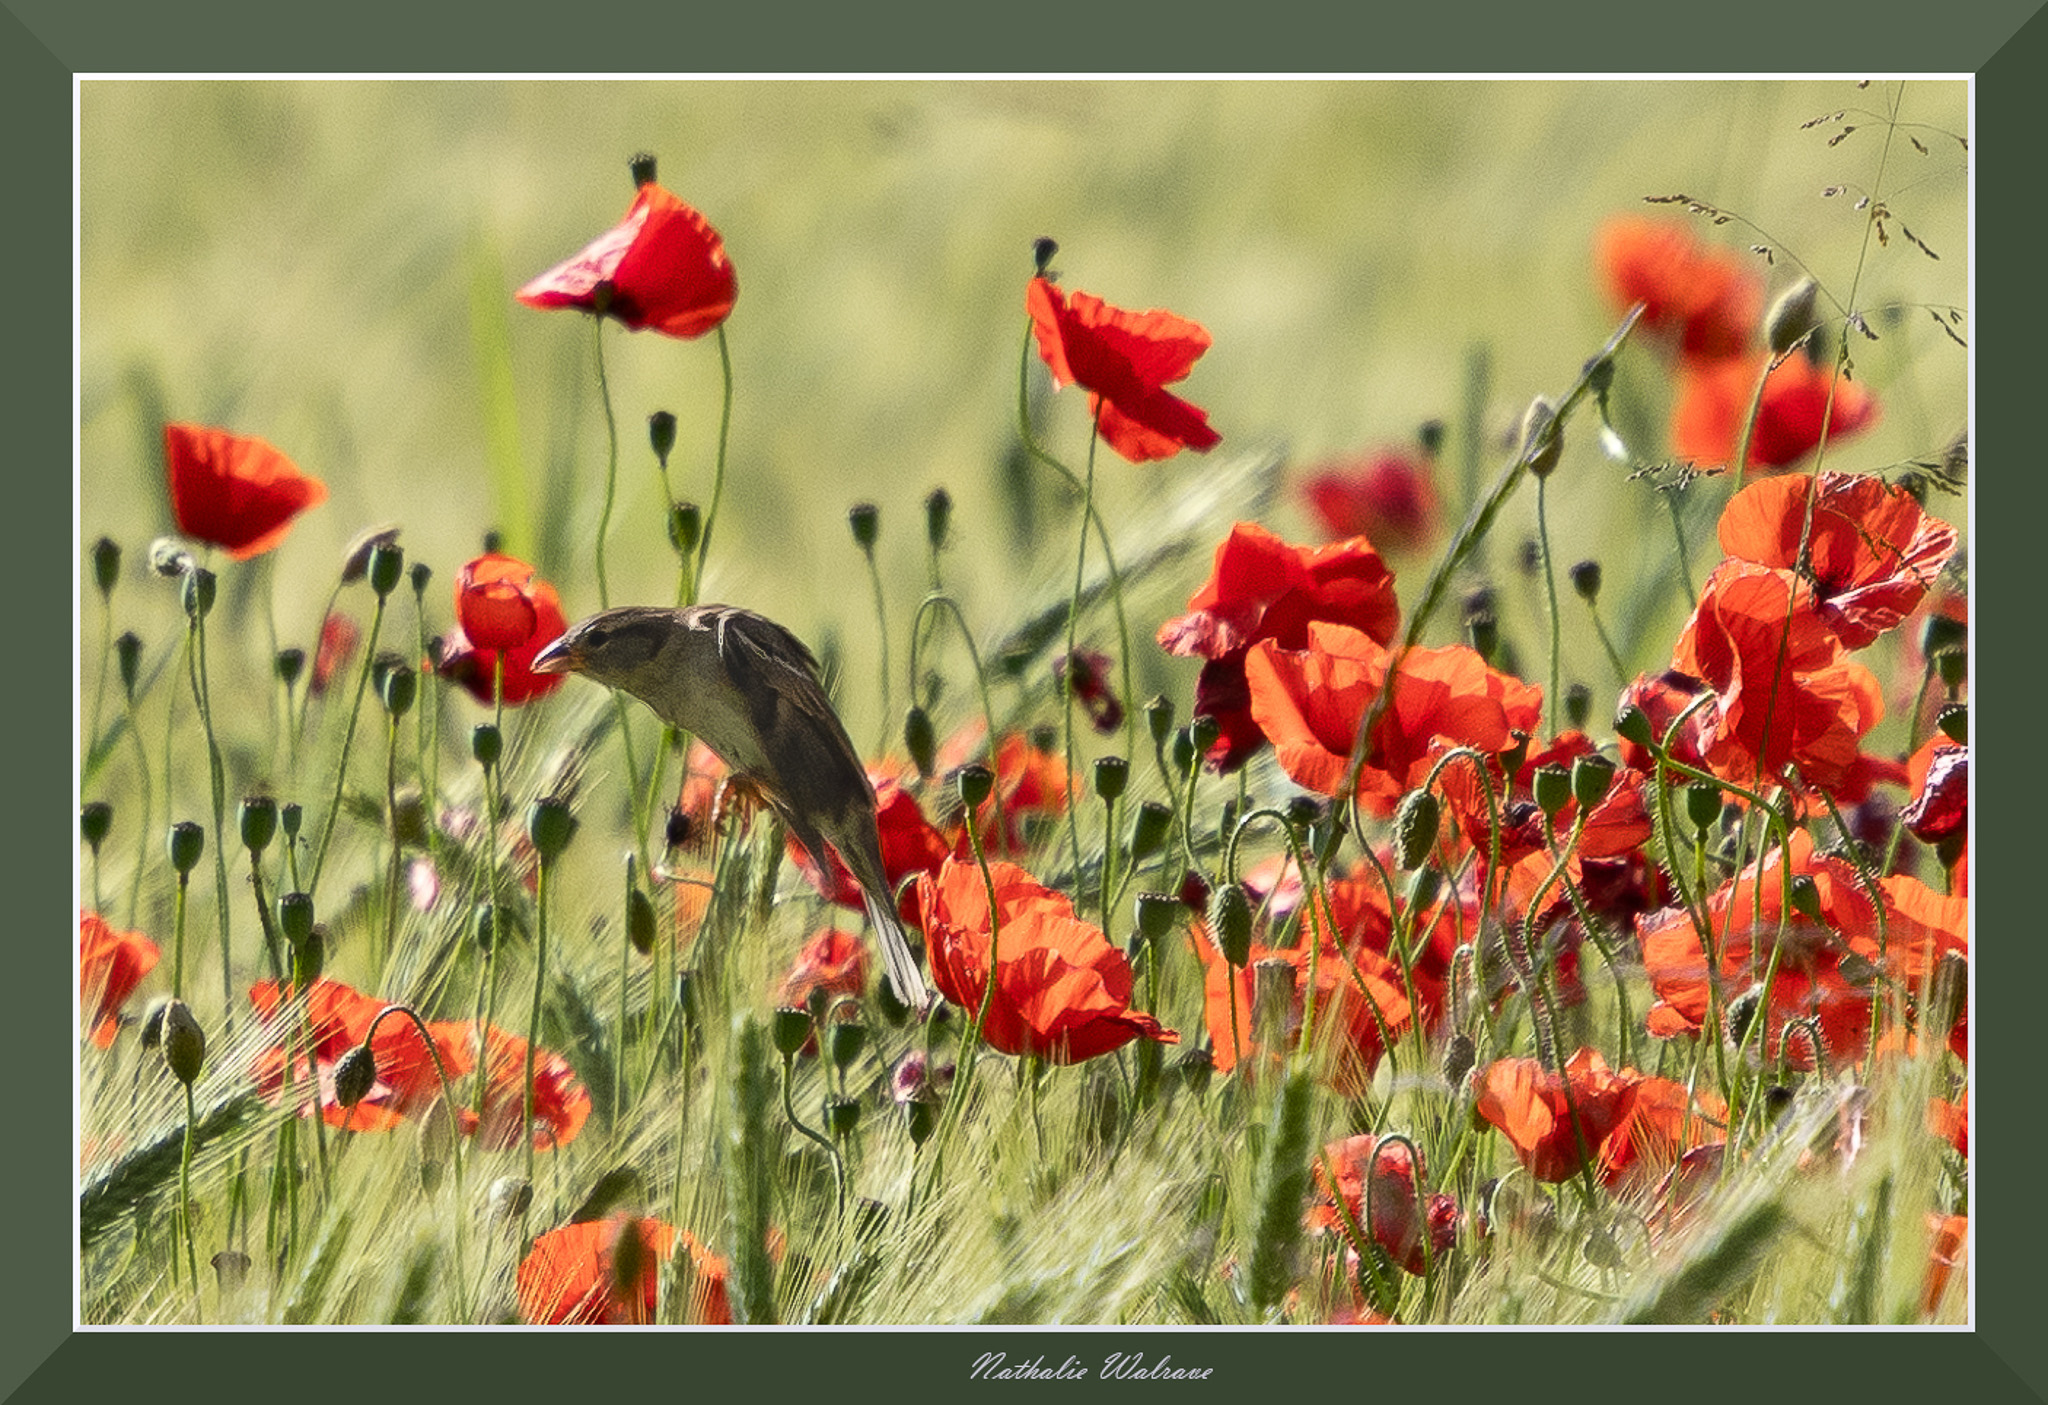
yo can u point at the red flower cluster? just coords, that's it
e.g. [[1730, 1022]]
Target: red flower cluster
[[1062, 992], [234, 491], [833, 961], [1261, 588], [662, 268], [1125, 361], [606, 1273], [1801, 403], [111, 965], [502, 609], [1377, 1179], [1388, 498]]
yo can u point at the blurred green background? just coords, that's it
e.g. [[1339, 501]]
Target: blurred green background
[[330, 265]]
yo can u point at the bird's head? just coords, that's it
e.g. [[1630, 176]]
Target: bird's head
[[614, 647]]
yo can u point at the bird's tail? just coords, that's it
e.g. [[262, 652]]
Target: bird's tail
[[904, 973]]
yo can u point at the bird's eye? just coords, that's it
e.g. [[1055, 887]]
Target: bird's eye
[[598, 637]]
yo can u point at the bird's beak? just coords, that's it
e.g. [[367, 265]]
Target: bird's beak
[[558, 657]]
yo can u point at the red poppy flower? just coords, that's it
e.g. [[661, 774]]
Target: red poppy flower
[[1703, 298], [663, 267], [1124, 360], [1262, 588], [1538, 1110], [110, 965], [1617, 826], [1939, 776], [500, 595], [1062, 992], [1951, 1121], [1663, 1123], [1713, 398], [338, 640], [235, 491], [1387, 498], [1872, 550], [1397, 1217], [1032, 782], [833, 961], [1356, 1015], [1947, 1251], [578, 1276], [910, 844]]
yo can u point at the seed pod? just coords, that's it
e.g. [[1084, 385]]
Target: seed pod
[[790, 1029], [95, 819], [1149, 829], [550, 826], [1592, 774], [185, 844], [1702, 803], [387, 566], [1112, 773], [661, 434], [1553, 787], [974, 782], [258, 818], [1632, 724], [866, 521], [938, 517], [842, 1116], [845, 1042]]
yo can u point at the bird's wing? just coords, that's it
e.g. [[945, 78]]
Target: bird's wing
[[806, 745]]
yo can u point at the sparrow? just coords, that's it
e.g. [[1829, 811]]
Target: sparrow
[[749, 689]]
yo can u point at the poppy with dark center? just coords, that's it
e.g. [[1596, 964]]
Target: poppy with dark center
[[1086, 671], [111, 964], [1124, 360], [1713, 399], [518, 614], [607, 1273], [662, 268], [1385, 1170], [1872, 550], [1554, 1121], [1938, 774], [1704, 299], [234, 491], [1062, 992], [339, 637], [1388, 498], [1260, 587]]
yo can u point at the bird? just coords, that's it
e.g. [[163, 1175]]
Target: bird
[[748, 689]]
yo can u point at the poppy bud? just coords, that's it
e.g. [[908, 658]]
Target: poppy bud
[[1429, 437], [291, 817], [1484, 632], [1423, 888], [1586, 580], [1195, 1068], [509, 1198], [1578, 706], [486, 744], [845, 1041], [186, 842], [387, 565], [685, 526], [95, 818], [1954, 722], [661, 434], [1941, 633], [1552, 787], [196, 592], [309, 958], [1156, 914], [676, 832], [397, 687], [184, 1042], [420, 574], [1230, 922], [866, 520], [1459, 1055], [355, 1074], [919, 739], [789, 1027], [1304, 813], [483, 925], [1741, 1010], [106, 565], [1159, 718], [1806, 896], [938, 517], [842, 1116], [259, 822], [550, 826], [1542, 444], [975, 783], [1273, 982], [1591, 776], [1112, 773], [921, 1117], [642, 166], [1791, 316], [1633, 725], [640, 921], [493, 543], [128, 654], [168, 558], [1952, 666], [1149, 830], [1042, 251], [1702, 803], [1415, 826], [290, 664]]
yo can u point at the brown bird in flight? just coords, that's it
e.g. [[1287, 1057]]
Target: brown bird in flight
[[749, 688]]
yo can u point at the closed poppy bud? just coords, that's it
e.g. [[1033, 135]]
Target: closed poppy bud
[[1741, 1010], [355, 1074], [509, 1198], [1578, 706], [661, 434], [685, 526], [1415, 826], [309, 958], [921, 1118], [1156, 915], [1592, 774], [397, 687], [95, 818], [184, 1042], [1702, 803], [1791, 316], [1954, 722], [1552, 787], [196, 592], [1542, 444], [483, 925], [259, 822], [1183, 752], [1484, 632], [387, 565], [295, 917], [640, 921], [1230, 922], [1632, 724], [486, 744], [420, 574], [938, 517], [975, 783], [1159, 718], [1586, 580], [185, 843], [920, 739], [1111, 775], [1806, 896], [866, 520], [1423, 887], [1042, 251], [128, 655], [106, 564], [1460, 1053], [845, 1042], [790, 1029], [291, 817], [1149, 830], [550, 826], [290, 664]]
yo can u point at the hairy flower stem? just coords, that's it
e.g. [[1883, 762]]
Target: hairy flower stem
[[217, 778]]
